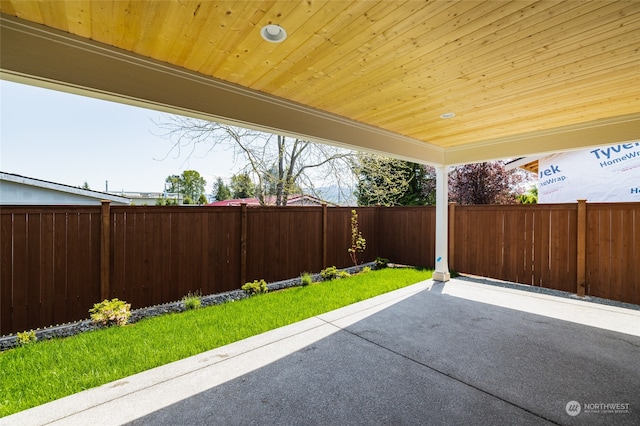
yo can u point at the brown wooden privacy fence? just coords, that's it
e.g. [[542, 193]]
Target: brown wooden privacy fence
[[57, 261], [49, 265], [585, 248]]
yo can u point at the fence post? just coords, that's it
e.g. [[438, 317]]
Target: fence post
[[377, 231], [243, 244], [324, 236], [105, 249], [452, 235], [581, 248]]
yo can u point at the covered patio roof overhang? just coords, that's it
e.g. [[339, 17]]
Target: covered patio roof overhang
[[521, 77]]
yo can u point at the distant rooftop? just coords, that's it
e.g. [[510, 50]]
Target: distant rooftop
[[9, 195]]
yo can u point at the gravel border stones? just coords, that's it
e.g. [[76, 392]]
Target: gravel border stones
[[71, 329]]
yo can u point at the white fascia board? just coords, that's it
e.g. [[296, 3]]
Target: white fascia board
[[609, 131]]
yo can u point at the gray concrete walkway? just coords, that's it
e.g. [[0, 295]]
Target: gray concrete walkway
[[454, 353]]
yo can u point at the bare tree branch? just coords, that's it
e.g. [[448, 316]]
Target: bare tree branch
[[285, 163]]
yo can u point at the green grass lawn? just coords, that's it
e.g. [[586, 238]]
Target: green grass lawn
[[48, 370]]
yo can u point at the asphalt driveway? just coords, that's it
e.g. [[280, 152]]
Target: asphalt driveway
[[454, 353]]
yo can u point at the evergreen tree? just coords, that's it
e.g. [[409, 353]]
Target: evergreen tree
[[242, 186], [220, 190]]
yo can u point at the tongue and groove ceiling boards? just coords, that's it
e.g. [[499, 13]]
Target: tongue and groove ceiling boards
[[522, 77]]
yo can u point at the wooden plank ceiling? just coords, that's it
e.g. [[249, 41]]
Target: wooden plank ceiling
[[503, 67]]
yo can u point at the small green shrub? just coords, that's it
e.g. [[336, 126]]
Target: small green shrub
[[306, 279], [111, 312], [343, 274], [256, 287], [192, 300], [27, 337], [381, 262], [329, 273], [366, 269]]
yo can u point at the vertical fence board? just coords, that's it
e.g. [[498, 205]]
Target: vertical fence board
[[35, 224], [596, 279], [152, 245], [88, 261], [605, 243], [630, 277], [6, 271], [118, 240], [571, 247], [59, 282], [462, 245], [47, 247], [617, 244], [72, 273], [163, 273], [528, 260], [512, 246], [20, 268]]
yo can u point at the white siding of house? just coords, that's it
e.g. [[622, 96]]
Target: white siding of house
[[13, 193]]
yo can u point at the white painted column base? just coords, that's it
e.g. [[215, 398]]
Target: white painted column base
[[441, 276]]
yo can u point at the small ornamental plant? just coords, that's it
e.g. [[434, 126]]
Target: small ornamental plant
[[111, 312], [358, 243], [306, 279], [343, 274], [381, 262], [329, 273], [255, 287], [192, 300], [27, 337]]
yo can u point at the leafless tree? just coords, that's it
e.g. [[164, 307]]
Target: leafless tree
[[280, 164]]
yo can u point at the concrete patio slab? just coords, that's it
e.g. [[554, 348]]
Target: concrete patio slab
[[432, 353]]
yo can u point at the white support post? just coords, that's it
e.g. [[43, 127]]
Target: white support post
[[442, 225]]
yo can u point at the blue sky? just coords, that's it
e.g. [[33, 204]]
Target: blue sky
[[70, 139]]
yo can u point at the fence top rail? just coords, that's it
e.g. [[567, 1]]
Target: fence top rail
[[616, 206], [503, 207]]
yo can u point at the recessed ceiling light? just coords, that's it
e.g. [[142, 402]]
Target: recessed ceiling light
[[273, 33], [448, 115]]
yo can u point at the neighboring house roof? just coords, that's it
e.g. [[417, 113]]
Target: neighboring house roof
[[236, 202], [22, 190], [293, 200]]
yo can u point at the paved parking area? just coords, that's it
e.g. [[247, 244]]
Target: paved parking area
[[433, 353]]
